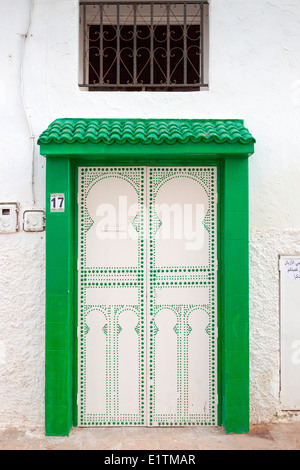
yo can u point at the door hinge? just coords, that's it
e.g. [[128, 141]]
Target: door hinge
[[77, 198], [78, 265], [77, 399], [217, 265], [217, 198]]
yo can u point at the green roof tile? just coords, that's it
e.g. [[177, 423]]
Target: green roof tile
[[145, 131]]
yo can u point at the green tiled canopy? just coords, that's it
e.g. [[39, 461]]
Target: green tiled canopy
[[147, 131]]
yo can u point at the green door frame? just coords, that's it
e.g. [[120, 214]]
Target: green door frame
[[63, 160]]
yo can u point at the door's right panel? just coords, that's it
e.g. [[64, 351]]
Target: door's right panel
[[182, 296]]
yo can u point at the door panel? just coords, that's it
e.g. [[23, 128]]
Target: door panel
[[147, 296], [111, 283], [182, 296]]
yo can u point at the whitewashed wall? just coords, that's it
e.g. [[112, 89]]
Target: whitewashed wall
[[254, 75]]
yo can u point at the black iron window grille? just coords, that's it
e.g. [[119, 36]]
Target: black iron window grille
[[141, 45]]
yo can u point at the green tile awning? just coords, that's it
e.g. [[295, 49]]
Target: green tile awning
[[146, 131]]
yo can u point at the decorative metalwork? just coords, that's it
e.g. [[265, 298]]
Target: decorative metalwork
[[143, 45]]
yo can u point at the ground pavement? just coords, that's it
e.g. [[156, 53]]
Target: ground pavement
[[261, 437]]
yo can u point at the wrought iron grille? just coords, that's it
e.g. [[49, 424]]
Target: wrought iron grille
[[141, 45]]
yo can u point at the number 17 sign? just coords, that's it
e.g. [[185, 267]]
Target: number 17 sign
[[57, 202]]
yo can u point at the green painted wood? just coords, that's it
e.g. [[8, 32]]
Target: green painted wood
[[139, 153], [75, 299], [235, 298], [233, 283], [59, 301]]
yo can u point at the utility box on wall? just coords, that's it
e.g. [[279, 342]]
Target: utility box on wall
[[9, 212], [290, 331], [34, 221]]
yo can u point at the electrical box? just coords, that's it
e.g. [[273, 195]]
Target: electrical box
[[9, 214], [34, 221]]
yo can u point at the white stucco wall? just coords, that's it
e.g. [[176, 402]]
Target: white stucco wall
[[254, 74]]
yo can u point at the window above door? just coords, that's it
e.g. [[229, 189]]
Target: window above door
[[143, 45]]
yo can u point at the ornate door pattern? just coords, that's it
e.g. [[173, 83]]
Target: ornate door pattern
[[147, 323]]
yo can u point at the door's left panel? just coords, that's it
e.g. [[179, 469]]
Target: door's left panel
[[111, 296]]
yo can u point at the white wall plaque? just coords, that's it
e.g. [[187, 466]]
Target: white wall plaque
[[290, 332]]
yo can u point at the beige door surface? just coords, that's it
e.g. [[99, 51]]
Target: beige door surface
[[147, 296]]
